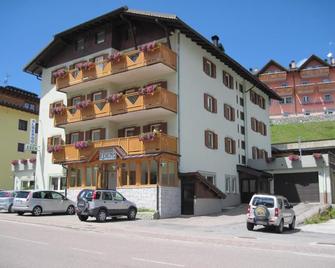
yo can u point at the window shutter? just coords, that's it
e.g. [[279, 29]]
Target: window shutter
[[206, 101], [146, 128], [206, 138], [102, 133], [204, 65], [103, 94], [164, 127], [51, 106], [224, 77], [213, 74], [121, 133], [226, 145], [231, 82], [266, 154], [68, 138], [215, 105], [215, 143], [88, 135], [225, 113], [137, 131], [81, 135]]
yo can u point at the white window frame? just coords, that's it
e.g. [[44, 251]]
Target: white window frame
[[210, 103], [97, 94], [328, 98], [230, 145], [306, 99], [209, 65], [227, 183], [95, 131], [73, 135], [210, 139], [207, 174]]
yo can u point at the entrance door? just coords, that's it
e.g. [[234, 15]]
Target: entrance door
[[248, 189], [187, 199], [110, 176]]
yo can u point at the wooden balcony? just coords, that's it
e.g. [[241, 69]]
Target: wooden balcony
[[129, 61], [306, 88], [282, 91], [131, 145], [326, 87], [278, 76], [316, 72], [162, 98]]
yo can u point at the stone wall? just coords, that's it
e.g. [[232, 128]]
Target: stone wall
[[145, 197], [206, 206], [302, 119], [169, 202]]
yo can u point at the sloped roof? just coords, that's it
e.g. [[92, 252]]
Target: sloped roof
[[313, 57], [35, 66], [271, 63]]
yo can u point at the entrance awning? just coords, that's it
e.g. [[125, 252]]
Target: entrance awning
[[253, 172]]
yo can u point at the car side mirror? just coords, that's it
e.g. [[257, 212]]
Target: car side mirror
[[65, 198]]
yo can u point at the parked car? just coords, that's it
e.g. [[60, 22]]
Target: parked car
[[102, 204], [39, 202], [270, 211], [6, 200]]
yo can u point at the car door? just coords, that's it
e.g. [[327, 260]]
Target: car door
[[121, 205], [45, 201], [58, 204], [108, 202], [288, 212]]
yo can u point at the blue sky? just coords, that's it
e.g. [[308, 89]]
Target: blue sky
[[252, 32]]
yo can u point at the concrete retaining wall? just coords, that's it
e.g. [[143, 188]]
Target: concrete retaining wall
[[206, 206], [145, 197], [169, 202]]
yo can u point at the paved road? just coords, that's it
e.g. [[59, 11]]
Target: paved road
[[63, 241]]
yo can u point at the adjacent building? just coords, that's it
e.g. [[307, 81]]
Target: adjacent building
[[141, 102], [306, 89], [19, 120]]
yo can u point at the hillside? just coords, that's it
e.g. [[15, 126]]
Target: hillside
[[307, 131]]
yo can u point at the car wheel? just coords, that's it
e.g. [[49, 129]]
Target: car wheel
[[37, 211], [10, 209], [102, 215], [132, 214], [20, 213], [250, 226], [280, 227], [70, 210], [292, 225], [82, 217]]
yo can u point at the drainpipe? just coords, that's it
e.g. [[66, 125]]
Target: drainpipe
[[178, 86], [246, 121]]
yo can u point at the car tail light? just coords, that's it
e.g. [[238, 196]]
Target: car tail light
[[94, 195], [277, 212], [248, 211]]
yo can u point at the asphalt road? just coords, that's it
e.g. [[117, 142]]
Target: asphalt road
[[63, 241]]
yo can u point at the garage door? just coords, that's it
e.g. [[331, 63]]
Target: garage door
[[298, 187]]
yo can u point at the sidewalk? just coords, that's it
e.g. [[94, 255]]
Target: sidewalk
[[327, 227]]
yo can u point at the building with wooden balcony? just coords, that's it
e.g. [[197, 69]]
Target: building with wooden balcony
[[308, 89], [140, 102]]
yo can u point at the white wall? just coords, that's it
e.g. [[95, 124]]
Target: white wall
[[207, 206]]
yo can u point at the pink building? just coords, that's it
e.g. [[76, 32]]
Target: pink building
[[308, 89]]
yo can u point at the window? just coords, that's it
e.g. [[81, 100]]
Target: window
[[254, 124], [144, 172], [243, 145], [36, 128], [96, 135], [164, 170], [107, 196], [75, 177], [209, 68], [230, 184], [306, 99], [243, 159], [117, 196], [153, 171], [132, 173], [91, 177], [242, 116], [209, 176], [155, 128], [228, 80], [100, 37], [241, 88], [20, 147], [74, 137], [286, 100], [80, 44], [229, 112], [129, 132], [23, 125], [124, 173], [257, 99], [242, 102], [211, 139], [227, 183], [327, 97], [210, 103], [230, 146], [56, 196], [242, 130]]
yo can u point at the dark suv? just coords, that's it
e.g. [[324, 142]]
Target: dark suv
[[102, 204]]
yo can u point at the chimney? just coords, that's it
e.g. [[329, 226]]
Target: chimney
[[293, 65], [332, 61], [215, 40]]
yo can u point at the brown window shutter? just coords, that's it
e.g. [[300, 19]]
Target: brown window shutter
[[103, 94], [215, 141], [137, 131], [213, 74], [121, 133], [215, 108], [102, 133], [225, 112], [164, 127], [231, 82], [68, 138], [146, 128], [204, 65], [88, 135], [51, 106], [224, 77], [50, 141], [206, 138], [81, 135], [226, 145], [206, 101]]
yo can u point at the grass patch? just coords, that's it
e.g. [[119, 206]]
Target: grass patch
[[145, 210], [307, 131], [324, 216]]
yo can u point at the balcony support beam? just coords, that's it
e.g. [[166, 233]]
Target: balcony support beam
[[131, 28], [165, 30]]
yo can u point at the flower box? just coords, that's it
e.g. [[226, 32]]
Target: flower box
[[115, 57], [14, 162], [114, 98], [32, 160], [293, 157], [147, 90], [81, 144], [83, 104], [150, 136], [87, 65], [54, 148], [148, 47], [24, 161], [60, 73], [317, 156], [58, 110]]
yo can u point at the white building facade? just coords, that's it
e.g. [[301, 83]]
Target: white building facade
[[160, 114]]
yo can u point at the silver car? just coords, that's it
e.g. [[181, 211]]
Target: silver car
[[39, 202], [270, 211], [6, 200]]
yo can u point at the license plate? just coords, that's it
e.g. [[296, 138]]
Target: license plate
[[261, 222]]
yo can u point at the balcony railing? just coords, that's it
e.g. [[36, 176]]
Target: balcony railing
[[161, 98], [315, 72], [127, 61], [278, 76], [131, 146]]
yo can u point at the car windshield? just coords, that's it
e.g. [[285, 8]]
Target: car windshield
[[22, 194], [5, 194], [87, 194], [265, 201]]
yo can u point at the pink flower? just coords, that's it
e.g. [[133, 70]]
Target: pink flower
[[23, 161], [114, 97], [293, 157], [150, 136], [317, 155], [85, 65], [14, 162], [115, 57], [83, 104], [81, 144], [59, 73], [32, 160]]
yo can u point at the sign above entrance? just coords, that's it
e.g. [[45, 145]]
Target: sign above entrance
[[107, 154]]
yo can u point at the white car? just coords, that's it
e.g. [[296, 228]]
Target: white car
[[270, 211]]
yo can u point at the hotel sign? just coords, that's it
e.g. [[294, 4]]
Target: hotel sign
[[107, 154]]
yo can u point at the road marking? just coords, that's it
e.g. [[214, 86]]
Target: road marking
[[24, 240], [326, 244], [159, 262], [87, 251]]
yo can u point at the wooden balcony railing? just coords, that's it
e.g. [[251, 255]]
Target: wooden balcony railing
[[278, 76], [128, 61], [131, 145], [161, 98], [316, 72]]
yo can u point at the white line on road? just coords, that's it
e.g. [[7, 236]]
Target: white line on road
[[158, 262], [87, 251], [24, 240]]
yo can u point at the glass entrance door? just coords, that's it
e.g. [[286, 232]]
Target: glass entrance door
[[109, 177]]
